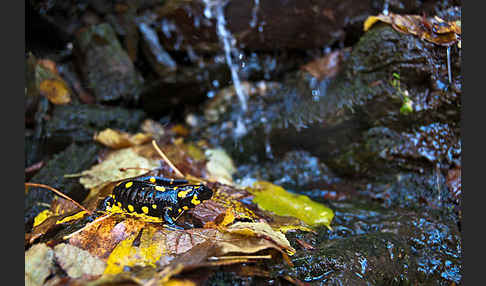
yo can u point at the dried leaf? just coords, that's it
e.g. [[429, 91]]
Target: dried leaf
[[39, 263], [77, 262], [109, 169], [276, 199], [220, 166], [56, 91], [118, 139], [261, 229], [434, 30]]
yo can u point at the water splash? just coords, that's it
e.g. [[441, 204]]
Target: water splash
[[254, 12], [214, 9]]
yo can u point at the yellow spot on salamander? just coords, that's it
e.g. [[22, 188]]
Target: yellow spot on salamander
[[128, 185], [185, 208], [152, 180], [145, 210], [131, 208], [119, 204], [159, 188], [195, 201], [182, 194], [154, 206], [179, 210]]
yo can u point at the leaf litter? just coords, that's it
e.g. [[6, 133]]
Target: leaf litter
[[228, 229]]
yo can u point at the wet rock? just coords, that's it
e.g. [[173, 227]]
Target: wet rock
[[106, 68], [383, 150], [158, 58], [78, 123], [297, 170], [272, 24], [381, 247], [74, 159], [323, 117]]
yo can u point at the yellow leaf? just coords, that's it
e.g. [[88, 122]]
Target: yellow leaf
[[109, 169], [118, 139], [56, 91], [276, 199], [41, 217], [76, 216]]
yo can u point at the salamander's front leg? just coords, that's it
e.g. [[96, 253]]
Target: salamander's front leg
[[168, 219], [106, 203]]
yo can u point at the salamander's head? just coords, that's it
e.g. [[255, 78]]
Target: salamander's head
[[204, 193]]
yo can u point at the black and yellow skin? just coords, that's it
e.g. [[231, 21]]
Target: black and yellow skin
[[158, 197]]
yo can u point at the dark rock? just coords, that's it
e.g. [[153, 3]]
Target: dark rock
[[74, 159], [78, 123], [297, 170], [383, 150], [158, 58], [380, 247], [268, 26], [106, 68]]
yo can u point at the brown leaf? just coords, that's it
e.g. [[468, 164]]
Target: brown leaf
[[454, 182], [101, 236], [56, 90], [434, 30], [325, 67]]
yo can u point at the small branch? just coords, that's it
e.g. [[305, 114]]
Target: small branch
[[34, 167], [216, 258], [167, 159], [59, 194]]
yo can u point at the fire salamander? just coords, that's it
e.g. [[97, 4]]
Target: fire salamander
[[158, 197]]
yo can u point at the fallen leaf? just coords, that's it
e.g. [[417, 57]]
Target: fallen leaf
[[109, 170], [261, 229], [101, 236], [41, 217], [78, 262], [220, 166], [39, 263], [276, 199], [56, 91], [140, 249], [434, 30], [116, 139], [325, 67]]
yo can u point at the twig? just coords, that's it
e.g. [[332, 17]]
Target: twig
[[59, 194], [34, 167], [216, 258], [167, 159]]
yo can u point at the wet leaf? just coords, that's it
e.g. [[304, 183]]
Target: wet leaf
[[39, 263], [116, 139], [276, 199], [42, 216], [56, 90], [142, 249], [434, 30], [101, 236], [77, 262], [325, 67], [109, 169]]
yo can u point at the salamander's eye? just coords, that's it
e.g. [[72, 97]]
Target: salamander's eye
[[204, 193]]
